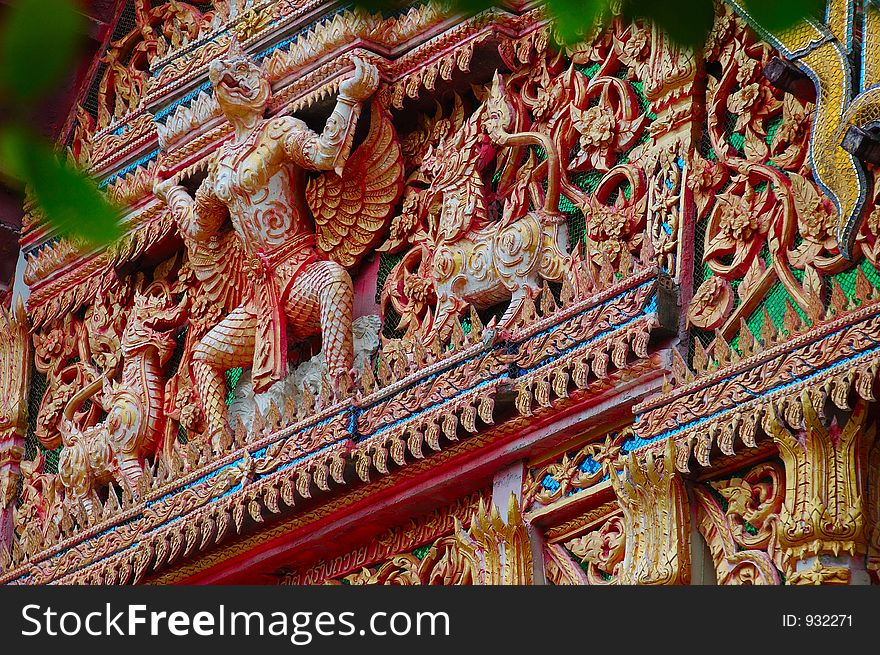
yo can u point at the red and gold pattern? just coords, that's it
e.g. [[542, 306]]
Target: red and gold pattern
[[625, 269]]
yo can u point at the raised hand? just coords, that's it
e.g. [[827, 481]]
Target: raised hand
[[161, 188], [361, 84]]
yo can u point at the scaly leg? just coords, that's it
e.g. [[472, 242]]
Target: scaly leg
[[228, 344], [321, 297]]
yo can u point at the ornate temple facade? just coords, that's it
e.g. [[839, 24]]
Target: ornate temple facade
[[415, 297]]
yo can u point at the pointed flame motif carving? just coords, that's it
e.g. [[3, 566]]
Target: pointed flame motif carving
[[15, 368], [656, 519], [491, 551], [824, 508]]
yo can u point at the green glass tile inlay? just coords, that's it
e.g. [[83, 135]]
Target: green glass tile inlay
[[232, 376]]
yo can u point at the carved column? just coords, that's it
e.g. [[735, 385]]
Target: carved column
[[14, 384], [823, 520], [507, 487], [669, 72], [656, 520]]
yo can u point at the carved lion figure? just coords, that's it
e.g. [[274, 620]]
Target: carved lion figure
[[114, 450]]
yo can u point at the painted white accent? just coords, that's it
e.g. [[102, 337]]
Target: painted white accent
[[308, 374], [19, 288]]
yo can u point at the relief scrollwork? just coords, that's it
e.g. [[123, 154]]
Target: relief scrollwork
[[158, 30], [602, 551], [74, 352], [760, 209], [491, 551], [644, 539], [40, 517], [739, 518], [569, 474], [835, 62]]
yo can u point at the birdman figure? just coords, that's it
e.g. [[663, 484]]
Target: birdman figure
[[278, 271]]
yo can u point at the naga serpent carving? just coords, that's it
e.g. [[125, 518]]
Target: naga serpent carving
[[114, 449]]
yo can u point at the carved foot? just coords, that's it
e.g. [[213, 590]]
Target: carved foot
[[130, 473]]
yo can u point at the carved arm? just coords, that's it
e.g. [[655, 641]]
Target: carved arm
[[330, 150], [198, 217]]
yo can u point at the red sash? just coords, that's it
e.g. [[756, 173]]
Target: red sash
[[270, 347]]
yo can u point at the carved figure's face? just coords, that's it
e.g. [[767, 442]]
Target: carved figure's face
[[499, 113], [152, 321], [240, 86]]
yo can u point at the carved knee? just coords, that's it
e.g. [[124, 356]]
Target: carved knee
[[201, 353], [337, 286]]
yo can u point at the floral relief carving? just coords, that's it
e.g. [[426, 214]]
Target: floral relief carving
[[764, 217], [601, 550], [739, 518]]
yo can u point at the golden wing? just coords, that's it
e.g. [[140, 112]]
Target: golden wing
[[219, 266], [352, 211]]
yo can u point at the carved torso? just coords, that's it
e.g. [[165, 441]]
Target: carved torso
[[264, 194]]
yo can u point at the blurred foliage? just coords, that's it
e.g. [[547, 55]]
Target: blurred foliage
[[39, 46], [777, 15], [686, 21]]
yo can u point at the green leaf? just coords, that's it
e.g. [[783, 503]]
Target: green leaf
[[778, 15], [575, 19], [38, 44], [473, 6], [686, 21], [12, 167], [69, 199]]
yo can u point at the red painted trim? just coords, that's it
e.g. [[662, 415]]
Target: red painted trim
[[353, 526]]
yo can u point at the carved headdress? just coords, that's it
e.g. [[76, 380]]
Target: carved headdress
[[240, 84]]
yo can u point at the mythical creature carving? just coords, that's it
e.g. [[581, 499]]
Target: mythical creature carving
[[114, 449], [563, 163], [466, 257], [281, 268]]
